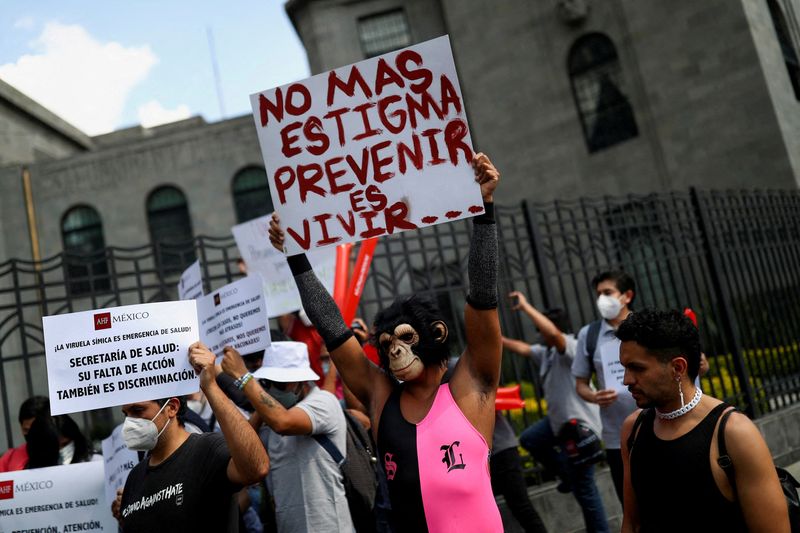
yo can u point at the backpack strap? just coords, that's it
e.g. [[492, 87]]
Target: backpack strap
[[591, 339], [724, 460], [331, 448], [635, 430]]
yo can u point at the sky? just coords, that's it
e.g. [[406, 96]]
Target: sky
[[107, 64]]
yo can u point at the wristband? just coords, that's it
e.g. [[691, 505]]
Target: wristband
[[298, 264], [487, 217], [242, 381]]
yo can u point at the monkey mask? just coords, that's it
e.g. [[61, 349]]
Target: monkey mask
[[411, 335]]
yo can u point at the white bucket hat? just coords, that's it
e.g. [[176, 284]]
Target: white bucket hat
[[286, 362]]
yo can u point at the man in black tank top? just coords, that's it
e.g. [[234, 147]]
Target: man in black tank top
[[669, 450]]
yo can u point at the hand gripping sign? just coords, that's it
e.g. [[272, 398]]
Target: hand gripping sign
[[370, 149]]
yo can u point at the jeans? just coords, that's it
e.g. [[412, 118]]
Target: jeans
[[541, 443], [507, 479]]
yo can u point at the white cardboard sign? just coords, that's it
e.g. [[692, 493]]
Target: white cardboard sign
[[613, 371], [280, 291], [370, 149], [119, 355], [190, 285], [235, 315], [63, 498], [119, 460]]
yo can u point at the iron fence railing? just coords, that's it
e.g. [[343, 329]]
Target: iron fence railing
[[731, 256]]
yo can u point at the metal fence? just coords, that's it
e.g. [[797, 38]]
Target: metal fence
[[731, 256]]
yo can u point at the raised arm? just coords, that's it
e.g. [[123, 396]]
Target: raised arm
[[364, 378], [518, 347], [550, 332], [283, 421], [481, 358], [249, 460]]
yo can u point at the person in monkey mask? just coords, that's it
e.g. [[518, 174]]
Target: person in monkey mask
[[433, 438]]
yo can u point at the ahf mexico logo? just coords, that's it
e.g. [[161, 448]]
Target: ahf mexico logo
[[102, 321], [6, 489]]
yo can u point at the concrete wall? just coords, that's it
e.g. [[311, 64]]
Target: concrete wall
[[786, 106], [706, 109], [24, 139], [329, 28], [200, 160]]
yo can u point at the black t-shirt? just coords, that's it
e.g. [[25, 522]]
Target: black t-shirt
[[189, 491]]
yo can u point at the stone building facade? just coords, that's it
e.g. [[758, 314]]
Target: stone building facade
[[702, 94]]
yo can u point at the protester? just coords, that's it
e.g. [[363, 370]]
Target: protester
[[187, 481], [554, 359], [673, 481], [31, 409], [305, 481], [440, 430], [297, 327], [57, 440], [615, 293]]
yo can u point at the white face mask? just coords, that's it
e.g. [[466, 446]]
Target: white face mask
[[196, 405], [66, 453], [141, 434], [608, 306]]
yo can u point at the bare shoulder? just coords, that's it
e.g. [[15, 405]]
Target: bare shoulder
[[741, 431], [627, 427]]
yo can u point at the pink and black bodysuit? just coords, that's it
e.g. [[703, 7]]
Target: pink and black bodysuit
[[437, 470]]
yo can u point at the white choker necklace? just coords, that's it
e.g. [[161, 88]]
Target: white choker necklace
[[683, 410]]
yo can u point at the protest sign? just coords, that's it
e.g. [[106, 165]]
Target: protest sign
[[119, 460], [235, 315], [191, 284], [613, 371], [119, 355], [261, 257], [369, 149], [58, 498]]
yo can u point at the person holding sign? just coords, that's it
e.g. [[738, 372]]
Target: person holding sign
[[187, 481], [306, 481], [433, 439], [598, 352]]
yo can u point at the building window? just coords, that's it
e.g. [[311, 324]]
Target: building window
[[787, 46], [251, 197], [84, 251], [170, 229], [384, 32], [605, 112]]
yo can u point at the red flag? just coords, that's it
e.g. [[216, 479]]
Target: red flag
[[342, 274], [691, 314], [359, 279]]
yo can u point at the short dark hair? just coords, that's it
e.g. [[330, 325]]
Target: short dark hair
[[33, 407], [664, 334], [560, 318], [622, 281], [181, 410]]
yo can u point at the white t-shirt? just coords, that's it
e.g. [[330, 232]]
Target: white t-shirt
[[558, 383], [304, 480]]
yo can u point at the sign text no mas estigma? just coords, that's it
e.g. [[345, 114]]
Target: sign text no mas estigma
[[401, 98]]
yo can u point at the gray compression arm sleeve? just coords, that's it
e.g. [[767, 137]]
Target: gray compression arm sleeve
[[318, 304], [482, 265]]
